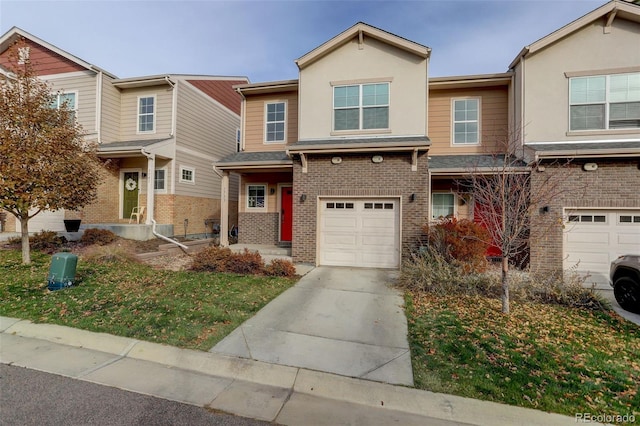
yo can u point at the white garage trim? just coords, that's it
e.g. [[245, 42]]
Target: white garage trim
[[594, 237], [46, 220], [359, 231]]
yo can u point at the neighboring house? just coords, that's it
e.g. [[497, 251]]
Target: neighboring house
[[349, 161], [160, 135], [577, 98]]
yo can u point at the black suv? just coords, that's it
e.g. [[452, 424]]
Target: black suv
[[625, 280]]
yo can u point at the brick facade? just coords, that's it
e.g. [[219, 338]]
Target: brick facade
[[258, 228], [613, 185], [357, 176]]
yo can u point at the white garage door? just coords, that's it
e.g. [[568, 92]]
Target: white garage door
[[594, 238], [45, 221], [359, 232]]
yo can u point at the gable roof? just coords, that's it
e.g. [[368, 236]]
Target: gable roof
[[221, 89], [15, 33], [610, 11], [361, 30]]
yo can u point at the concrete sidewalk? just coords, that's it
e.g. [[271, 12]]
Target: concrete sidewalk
[[285, 395]]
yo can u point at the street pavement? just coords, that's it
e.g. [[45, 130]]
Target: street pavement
[[244, 387], [30, 397], [346, 321]]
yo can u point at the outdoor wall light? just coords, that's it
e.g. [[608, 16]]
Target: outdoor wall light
[[544, 210], [377, 159], [590, 167], [272, 191], [144, 175], [303, 197], [412, 198]]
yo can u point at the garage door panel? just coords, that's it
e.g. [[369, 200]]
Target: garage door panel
[[362, 236], [580, 235], [631, 239]]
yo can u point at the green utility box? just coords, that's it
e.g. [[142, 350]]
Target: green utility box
[[62, 271]]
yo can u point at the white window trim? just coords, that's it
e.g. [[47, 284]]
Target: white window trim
[[193, 175], [607, 104], [67, 92], [161, 191], [286, 106], [246, 197], [361, 108], [453, 121], [455, 204], [155, 114]]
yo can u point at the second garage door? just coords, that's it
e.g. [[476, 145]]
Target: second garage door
[[359, 232], [594, 238]]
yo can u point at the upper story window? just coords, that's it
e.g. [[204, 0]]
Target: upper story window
[[187, 174], [361, 106], [275, 122], [604, 102], [466, 121], [146, 114], [66, 99]]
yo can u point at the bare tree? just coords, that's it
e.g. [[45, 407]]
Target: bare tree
[[501, 189], [45, 164]]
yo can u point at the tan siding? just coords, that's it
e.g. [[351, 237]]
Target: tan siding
[[493, 117], [129, 113], [204, 126], [110, 131], [85, 87], [207, 182], [255, 121]]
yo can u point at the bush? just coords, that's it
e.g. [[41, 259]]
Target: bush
[[211, 259], [99, 237], [46, 241], [247, 262], [280, 268], [462, 240]]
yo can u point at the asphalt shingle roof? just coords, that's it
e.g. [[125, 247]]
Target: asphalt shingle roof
[[469, 162], [251, 157]]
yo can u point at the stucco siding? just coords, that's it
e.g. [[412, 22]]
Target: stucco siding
[[376, 61], [546, 97], [129, 113], [493, 120], [254, 125]]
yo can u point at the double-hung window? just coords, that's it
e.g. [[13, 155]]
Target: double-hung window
[[361, 107], [256, 197], [466, 121], [442, 204], [146, 114], [604, 102], [275, 122], [159, 180], [68, 100]]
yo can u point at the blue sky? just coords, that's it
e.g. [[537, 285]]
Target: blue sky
[[261, 39]]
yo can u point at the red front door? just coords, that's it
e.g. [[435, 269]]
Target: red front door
[[286, 214]]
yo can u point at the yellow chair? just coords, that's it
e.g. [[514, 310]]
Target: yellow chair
[[136, 212]]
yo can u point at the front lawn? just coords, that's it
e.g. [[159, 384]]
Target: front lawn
[[185, 309], [547, 357]]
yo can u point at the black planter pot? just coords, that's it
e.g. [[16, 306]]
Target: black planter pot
[[72, 225]]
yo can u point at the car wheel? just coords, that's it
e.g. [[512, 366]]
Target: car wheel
[[627, 293]]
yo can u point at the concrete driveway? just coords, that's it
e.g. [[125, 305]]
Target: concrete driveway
[[346, 321]]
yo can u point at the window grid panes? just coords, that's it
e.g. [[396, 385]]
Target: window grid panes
[[361, 107], [442, 205], [604, 102], [159, 180], [67, 100], [466, 121], [275, 122], [256, 196], [186, 175], [146, 113]]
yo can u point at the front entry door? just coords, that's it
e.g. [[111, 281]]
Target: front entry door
[[130, 193], [286, 214]]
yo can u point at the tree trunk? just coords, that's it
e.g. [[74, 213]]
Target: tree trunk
[[505, 285], [24, 228]]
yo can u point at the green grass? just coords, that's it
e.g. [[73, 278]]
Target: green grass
[[547, 357], [185, 309]]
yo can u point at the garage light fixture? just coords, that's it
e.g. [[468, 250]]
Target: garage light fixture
[[303, 198], [590, 167]]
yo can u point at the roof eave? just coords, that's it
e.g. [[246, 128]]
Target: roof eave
[[358, 147], [588, 153], [255, 165]]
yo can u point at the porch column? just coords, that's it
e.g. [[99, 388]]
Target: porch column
[[151, 176], [224, 210]]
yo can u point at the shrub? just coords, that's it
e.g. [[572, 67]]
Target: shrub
[[46, 241], [461, 240], [98, 236], [247, 262], [280, 268], [211, 259]]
